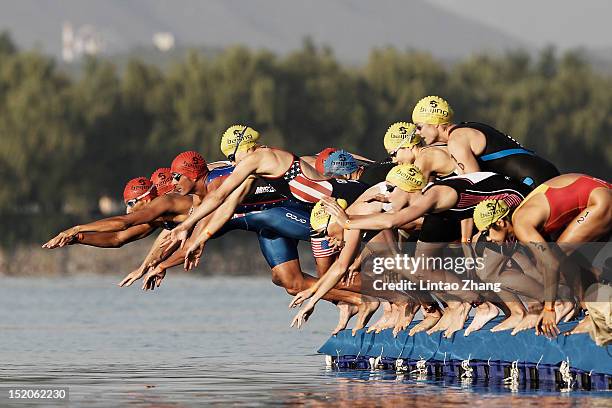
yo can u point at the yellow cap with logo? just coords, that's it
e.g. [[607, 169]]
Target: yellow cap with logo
[[243, 136], [488, 212], [401, 134], [407, 177], [432, 110], [319, 218]]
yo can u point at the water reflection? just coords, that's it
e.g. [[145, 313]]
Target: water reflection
[[190, 344]]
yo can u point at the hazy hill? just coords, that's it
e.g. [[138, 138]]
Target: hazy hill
[[350, 27]]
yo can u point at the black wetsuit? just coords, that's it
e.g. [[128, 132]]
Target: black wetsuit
[[471, 189], [374, 173], [504, 155]]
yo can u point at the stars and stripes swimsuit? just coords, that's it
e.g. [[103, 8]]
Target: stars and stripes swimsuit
[[280, 223], [295, 185]]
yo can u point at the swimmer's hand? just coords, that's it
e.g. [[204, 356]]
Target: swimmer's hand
[[302, 316], [335, 233], [332, 208], [336, 243], [349, 277], [301, 297], [178, 236], [547, 324], [153, 278], [193, 256], [132, 277], [381, 198], [62, 239]]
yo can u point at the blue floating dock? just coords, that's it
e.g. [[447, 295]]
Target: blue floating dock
[[490, 354]]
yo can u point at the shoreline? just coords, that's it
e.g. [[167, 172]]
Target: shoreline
[[237, 256]]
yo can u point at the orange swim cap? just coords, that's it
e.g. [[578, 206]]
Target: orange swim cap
[[138, 188], [321, 157], [190, 164], [162, 179]]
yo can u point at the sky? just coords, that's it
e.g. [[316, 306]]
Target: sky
[[446, 28], [563, 23]]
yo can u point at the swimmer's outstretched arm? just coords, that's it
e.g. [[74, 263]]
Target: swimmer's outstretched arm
[[360, 157], [373, 193], [329, 280], [212, 201], [154, 277], [421, 206], [113, 239], [157, 207], [217, 220], [155, 254]]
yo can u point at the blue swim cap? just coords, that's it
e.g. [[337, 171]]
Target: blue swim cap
[[340, 163]]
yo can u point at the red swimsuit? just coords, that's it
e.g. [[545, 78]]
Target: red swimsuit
[[567, 202]]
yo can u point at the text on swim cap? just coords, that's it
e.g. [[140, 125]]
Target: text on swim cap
[[431, 111], [493, 209], [410, 174]]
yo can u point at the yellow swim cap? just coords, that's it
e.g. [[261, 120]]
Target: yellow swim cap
[[432, 110], [407, 177], [401, 134], [319, 218], [488, 212], [232, 136]]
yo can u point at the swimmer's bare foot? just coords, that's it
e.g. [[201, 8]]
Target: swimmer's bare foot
[[451, 313], [585, 326], [429, 320], [528, 322], [510, 322], [407, 313], [395, 314], [457, 323], [387, 312], [484, 314], [346, 312], [366, 310], [563, 308]]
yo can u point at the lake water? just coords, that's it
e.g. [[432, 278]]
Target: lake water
[[202, 341]]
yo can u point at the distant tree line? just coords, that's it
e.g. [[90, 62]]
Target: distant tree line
[[65, 141]]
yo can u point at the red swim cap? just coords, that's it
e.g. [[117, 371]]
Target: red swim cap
[[321, 157], [162, 178], [138, 187], [190, 164]]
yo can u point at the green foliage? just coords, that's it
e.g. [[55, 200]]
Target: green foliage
[[7, 46], [64, 143]]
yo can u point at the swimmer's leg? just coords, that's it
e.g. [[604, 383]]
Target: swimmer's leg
[[290, 276], [323, 264]]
